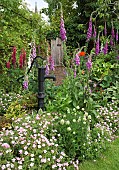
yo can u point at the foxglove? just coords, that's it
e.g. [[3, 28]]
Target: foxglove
[[51, 62], [97, 48], [77, 59], [74, 73], [117, 58], [62, 30], [117, 38], [47, 70], [111, 41], [113, 33], [89, 64], [105, 49], [89, 32], [94, 34], [25, 83], [105, 30]]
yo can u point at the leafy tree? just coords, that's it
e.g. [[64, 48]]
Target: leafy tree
[[18, 27]]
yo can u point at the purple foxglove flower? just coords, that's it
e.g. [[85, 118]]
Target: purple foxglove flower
[[62, 30], [105, 30], [94, 34], [117, 58], [77, 60], [75, 73], [111, 41], [47, 70], [117, 38], [105, 49], [97, 48], [89, 32], [51, 62], [25, 85], [113, 33], [89, 64]]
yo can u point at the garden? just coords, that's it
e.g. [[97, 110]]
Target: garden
[[73, 125]]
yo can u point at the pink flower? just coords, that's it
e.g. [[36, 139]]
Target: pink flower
[[14, 56], [51, 61], [89, 32], [77, 60], [8, 64], [43, 160], [20, 151], [62, 30], [21, 61], [5, 145]]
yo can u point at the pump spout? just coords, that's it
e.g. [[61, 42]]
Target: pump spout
[[50, 77]]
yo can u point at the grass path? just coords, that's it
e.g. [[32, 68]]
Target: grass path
[[109, 160]]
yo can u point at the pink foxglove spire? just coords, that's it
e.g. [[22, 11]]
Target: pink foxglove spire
[[77, 59], [62, 30], [97, 48], [117, 36], [89, 64], [89, 32], [105, 30]]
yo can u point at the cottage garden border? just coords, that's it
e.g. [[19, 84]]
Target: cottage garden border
[[74, 133]]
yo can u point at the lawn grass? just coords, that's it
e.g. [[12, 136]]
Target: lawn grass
[[108, 161]]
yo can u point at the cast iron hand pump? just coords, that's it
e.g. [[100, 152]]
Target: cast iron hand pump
[[41, 80]]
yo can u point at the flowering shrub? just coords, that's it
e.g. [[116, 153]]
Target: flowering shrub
[[28, 145]]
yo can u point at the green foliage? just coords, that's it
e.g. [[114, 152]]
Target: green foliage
[[22, 105], [15, 110]]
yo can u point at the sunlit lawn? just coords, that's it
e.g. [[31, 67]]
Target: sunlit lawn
[[109, 160]]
